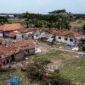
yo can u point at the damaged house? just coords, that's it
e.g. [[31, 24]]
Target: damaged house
[[67, 37], [15, 51], [43, 36], [28, 33]]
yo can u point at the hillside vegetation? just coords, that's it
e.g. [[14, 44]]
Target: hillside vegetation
[[60, 19]]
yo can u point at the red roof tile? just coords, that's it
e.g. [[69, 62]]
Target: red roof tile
[[55, 31], [11, 27], [25, 30], [6, 50], [22, 44], [65, 33], [13, 47]]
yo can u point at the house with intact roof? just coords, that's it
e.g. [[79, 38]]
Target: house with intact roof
[[10, 30]]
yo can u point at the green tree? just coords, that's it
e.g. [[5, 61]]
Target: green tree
[[3, 20]]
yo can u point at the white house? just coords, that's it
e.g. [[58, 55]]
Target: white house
[[70, 38], [66, 39]]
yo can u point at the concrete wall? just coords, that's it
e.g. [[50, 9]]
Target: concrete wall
[[68, 41], [19, 37], [23, 53], [19, 56], [37, 35], [31, 51]]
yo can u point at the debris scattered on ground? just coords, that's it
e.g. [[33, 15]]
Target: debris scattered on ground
[[37, 50]]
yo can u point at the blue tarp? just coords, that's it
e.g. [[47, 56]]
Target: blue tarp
[[82, 54], [12, 80]]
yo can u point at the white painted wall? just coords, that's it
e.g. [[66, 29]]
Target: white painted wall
[[65, 41], [1, 34], [19, 37], [37, 35], [43, 34]]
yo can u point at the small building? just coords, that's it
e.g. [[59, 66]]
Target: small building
[[16, 51], [67, 37], [7, 28], [28, 33]]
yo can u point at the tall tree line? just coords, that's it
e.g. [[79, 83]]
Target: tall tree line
[[58, 20]]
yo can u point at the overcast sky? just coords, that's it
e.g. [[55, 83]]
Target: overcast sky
[[41, 6]]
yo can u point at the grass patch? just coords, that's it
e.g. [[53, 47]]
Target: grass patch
[[76, 62], [51, 55], [74, 73], [74, 69]]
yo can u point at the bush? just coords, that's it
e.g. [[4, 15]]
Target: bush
[[4, 69], [7, 69], [36, 72]]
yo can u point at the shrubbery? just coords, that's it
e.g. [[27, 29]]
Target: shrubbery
[[37, 72]]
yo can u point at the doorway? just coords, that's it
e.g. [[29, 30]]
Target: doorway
[[13, 58]]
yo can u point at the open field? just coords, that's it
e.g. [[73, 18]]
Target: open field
[[74, 69]]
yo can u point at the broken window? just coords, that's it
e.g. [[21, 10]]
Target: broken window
[[66, 39], [71, 40], [59, 37]]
